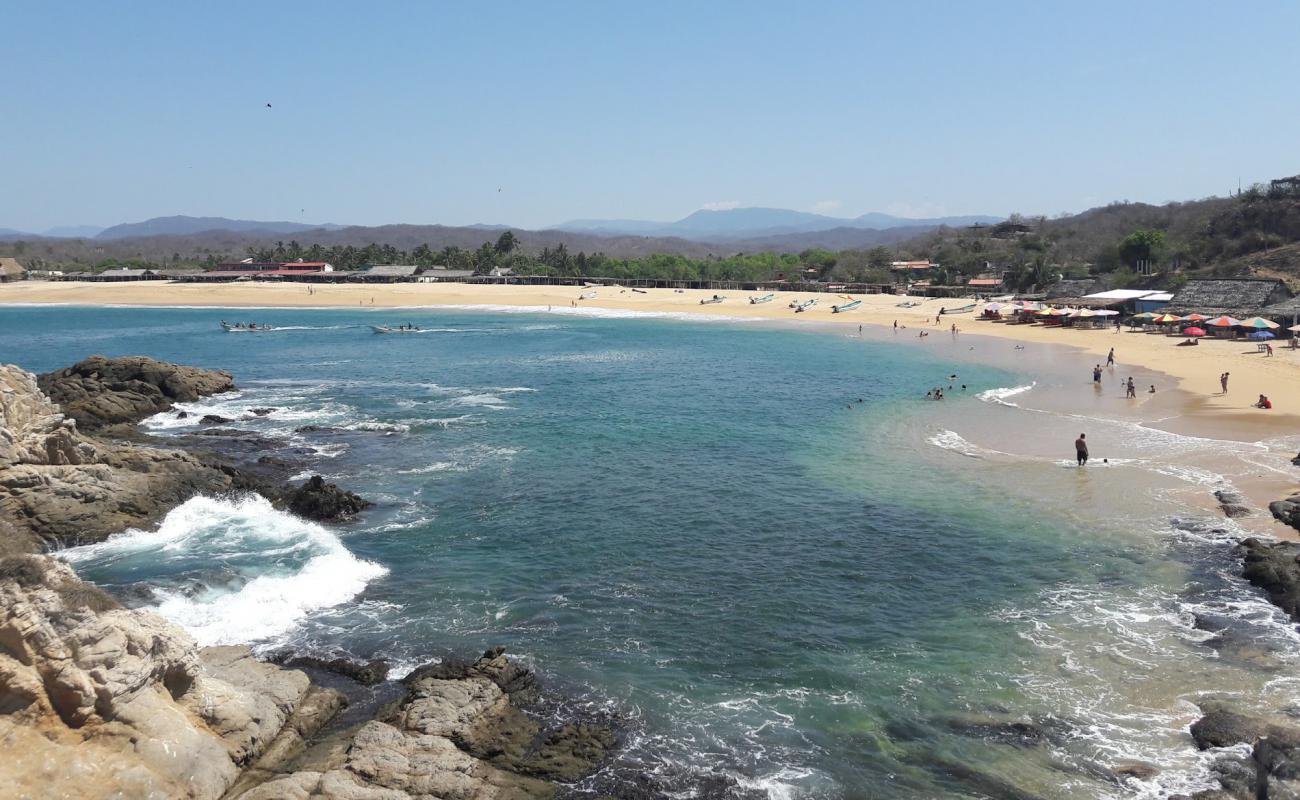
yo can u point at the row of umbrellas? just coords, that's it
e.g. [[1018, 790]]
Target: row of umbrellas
[[1263, 328], [1258, 323], [1048, 311]]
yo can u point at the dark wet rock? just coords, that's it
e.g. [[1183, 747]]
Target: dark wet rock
[[261, 412], [980, 782], [1287, 511], [1236, 775], [215, 419], [315, 429], [323, 501], [182, 415], [1016, 731], [367, 674], [101, 391], [1275, 568], [1277, 764], [1138, 770], [1233, 503], [1223, 727]]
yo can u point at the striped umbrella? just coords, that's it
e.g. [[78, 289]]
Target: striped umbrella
[[1144, 315], [1194, 317], [1223, 322], [1259, 323], [1165, 319]]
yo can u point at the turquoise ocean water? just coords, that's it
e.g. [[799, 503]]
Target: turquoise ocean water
[[698, 529]]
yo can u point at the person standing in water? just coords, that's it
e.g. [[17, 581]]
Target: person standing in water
[[1110, 359], [1130, 388], [1096, 374], [1081, 449]]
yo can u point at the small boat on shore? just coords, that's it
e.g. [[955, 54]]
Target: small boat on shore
[[240, 327], [587, 296], [961, 310], [767, 298], [908, 304], [842, 307], [804, 306], [717, 298], [639, 291], [391, 329]]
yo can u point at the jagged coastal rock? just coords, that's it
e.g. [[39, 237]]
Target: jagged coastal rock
[[101, 701], [60, 487], [100, 391], [1287, 511], [324, 502], [1275, 568]]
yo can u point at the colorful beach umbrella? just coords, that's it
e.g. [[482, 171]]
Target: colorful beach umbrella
[[1105, 312], [1165, 319], [1194, 317], [1193, 331], [1260, 336], [1294, 328], [1223, 322], [1144, 315], [1259, 323]]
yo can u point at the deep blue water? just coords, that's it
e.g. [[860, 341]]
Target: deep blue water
[[696, 527]]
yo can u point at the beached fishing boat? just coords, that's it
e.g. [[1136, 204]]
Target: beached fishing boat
[[242, 328], [961, 310], [717, 298], [391, 329], [804, 306], [908, 304], [587, 296], [842, 307], [767, 298]]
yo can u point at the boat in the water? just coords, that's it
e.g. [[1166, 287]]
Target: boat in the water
[[842, 307], [767, 298], [804, 306], [587, 296], [717, 298], [391, 329], [241, 327]]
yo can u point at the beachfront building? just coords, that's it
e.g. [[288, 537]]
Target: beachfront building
[[1236, 297], [440, 273], [118, 275], [11, 270], [389, 273], [908, 271]]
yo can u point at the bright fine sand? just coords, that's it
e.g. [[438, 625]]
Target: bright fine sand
[[1196, 369]]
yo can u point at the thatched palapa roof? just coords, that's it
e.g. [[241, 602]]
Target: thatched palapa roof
[[1238, 297]]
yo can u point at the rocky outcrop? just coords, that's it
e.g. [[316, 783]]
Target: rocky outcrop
[[324, 502], [100, 391], [1275, 568], [100, 701], [458, 734], [1287, 511], [61, 487]]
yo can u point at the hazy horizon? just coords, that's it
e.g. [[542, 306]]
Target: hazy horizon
[[534, 116]]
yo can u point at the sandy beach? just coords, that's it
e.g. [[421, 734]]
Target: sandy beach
[[1196, 369]]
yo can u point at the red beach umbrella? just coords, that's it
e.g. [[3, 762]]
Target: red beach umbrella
[[1193, 331]]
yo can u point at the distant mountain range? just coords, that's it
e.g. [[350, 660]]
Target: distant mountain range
[[166, 226], [754, 223], [731, 225]]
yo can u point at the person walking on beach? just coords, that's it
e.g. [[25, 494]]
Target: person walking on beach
[[895, 326], [1081, 449], [1223, 381], [1110, 358]]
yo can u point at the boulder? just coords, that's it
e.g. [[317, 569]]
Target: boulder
[[323, 501], [370, 673], [1233, 503], [1275, 568], [215, 419], [1277, 765], [1223, 727], [101, 391], [1287, 511]]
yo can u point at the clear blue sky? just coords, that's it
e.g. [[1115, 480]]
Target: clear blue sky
[[421, 112]]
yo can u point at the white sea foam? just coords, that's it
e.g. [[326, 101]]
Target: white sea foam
[[304, 567], [1001, 394]]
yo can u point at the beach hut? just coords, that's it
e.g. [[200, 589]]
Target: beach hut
[[1240, 297]]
